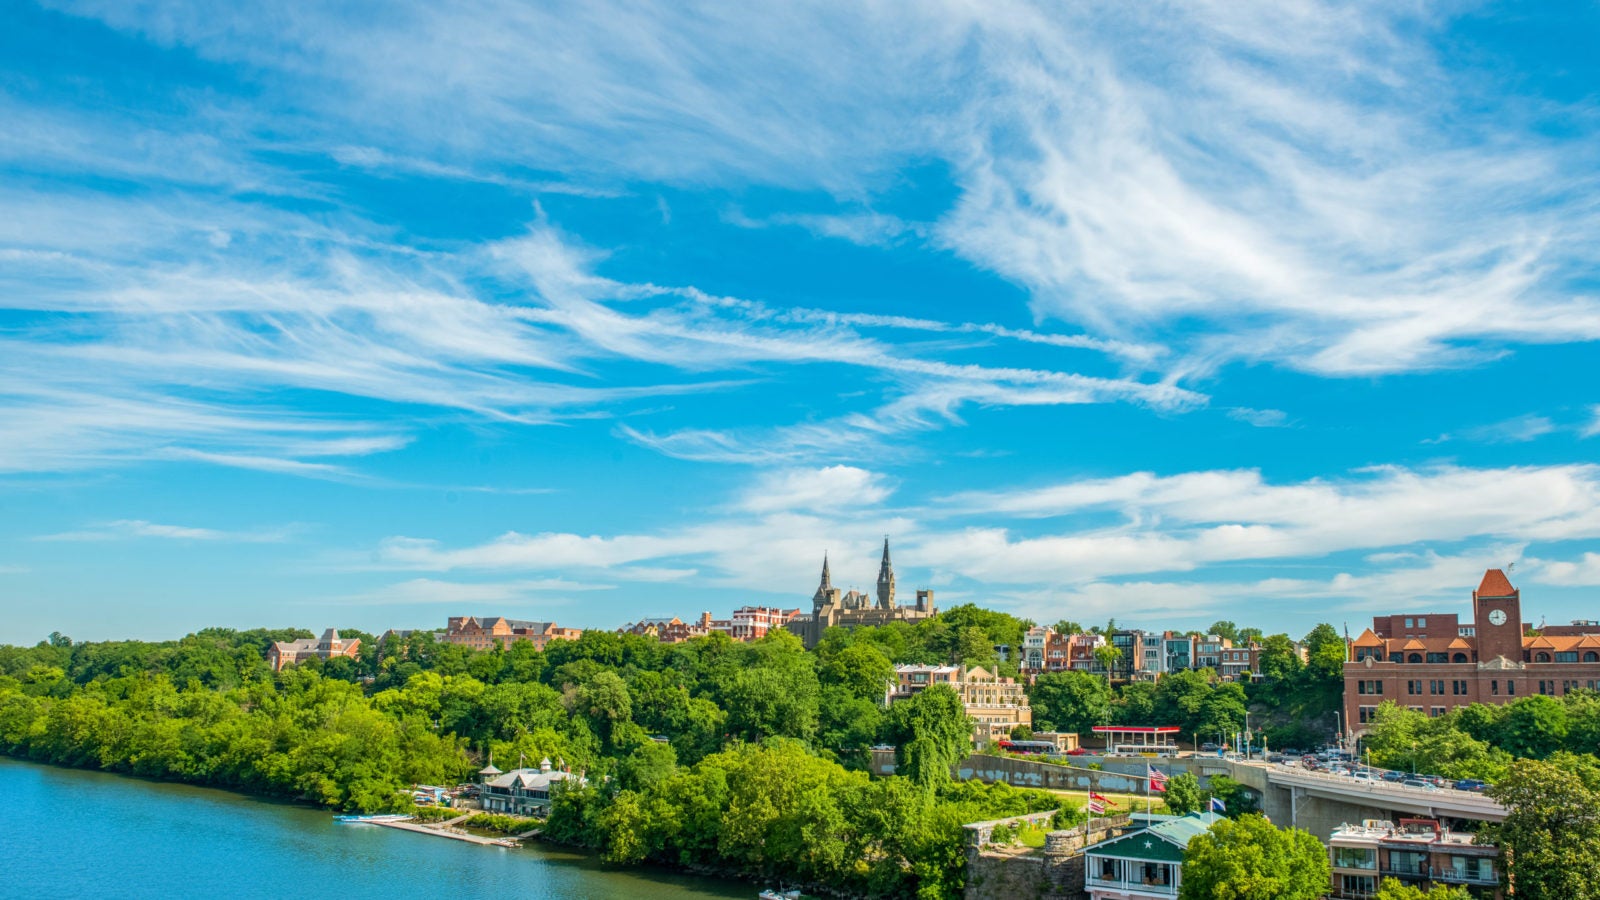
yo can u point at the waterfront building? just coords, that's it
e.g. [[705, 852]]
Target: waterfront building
[[830, 607], [1432, 662], [521, 792], [1146, 864], [995, 703], [484, 632], [329, 646], [1416, 851]]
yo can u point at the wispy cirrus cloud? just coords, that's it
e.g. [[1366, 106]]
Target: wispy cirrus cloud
[[1316, 184], [128, 529], [429, 591]]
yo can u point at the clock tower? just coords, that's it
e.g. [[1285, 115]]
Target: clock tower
[[1497, 618]]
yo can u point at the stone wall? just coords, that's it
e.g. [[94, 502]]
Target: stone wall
[[1055, 873]]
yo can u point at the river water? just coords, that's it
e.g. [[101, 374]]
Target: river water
[[89, 834]]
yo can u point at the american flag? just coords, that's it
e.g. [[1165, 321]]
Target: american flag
[[1158, 780], [1097, 807]]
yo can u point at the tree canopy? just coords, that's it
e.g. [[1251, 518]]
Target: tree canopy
[[1250, 859]]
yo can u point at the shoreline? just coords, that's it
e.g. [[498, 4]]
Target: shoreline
[[588, 854]]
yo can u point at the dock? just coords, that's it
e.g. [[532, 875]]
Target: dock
[[439, 828]]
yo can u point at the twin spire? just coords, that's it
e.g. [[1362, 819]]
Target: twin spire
[[885, 579]]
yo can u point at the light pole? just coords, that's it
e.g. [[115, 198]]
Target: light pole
[[1338, 729]]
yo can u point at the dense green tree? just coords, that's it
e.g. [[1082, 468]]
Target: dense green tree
[[1137, 705], [1237, 800], [1249, 859], [1183, 794], [931, 733], [1393, 889], [1069, 701], [1226, 630], [1532, 727], [1550, 839], [861, 669]]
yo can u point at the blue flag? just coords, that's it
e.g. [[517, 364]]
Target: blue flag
[[1218, 806]]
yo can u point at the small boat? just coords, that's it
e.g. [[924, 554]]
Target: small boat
[[356, 820], [770, 894]]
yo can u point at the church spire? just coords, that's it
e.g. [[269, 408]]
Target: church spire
[[886, 579], [826, 581]]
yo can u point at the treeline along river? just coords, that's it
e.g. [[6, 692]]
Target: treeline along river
[[78, 834]]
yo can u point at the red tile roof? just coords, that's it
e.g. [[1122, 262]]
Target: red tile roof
[[1495, 584]]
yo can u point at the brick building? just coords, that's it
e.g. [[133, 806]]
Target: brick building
[[1432, 663], [995, 703], [329, 646], [484, 632], [751, 623], [1417, 852]]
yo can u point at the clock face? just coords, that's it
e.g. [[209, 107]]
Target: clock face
[[1497, 617]]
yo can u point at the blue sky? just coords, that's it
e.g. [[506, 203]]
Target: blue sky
[[370, 314]]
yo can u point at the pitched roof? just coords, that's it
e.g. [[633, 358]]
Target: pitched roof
[[1163, 842], [1495, 584], [1367, 639]]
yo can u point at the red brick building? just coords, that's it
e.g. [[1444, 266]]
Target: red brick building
[[1432, 662], [484, 632]]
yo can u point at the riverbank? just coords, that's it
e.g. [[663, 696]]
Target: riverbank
[[162, 839]]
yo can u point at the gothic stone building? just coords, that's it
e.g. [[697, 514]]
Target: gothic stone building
[[1432, 663], [830, 607]]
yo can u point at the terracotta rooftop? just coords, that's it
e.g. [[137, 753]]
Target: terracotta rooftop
[[1495, 584]]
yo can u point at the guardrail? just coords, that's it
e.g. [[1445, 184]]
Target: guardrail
[[1467, 804]]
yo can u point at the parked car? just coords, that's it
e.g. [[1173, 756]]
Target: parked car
[[1394, 776], [1471, 784], [1079, 751], [1208, 747], [1363, 776], [1419, 783]]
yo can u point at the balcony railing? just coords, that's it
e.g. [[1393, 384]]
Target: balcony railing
[[1129, 884], [1470, 875]]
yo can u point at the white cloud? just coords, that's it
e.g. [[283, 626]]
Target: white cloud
[[1593, 428], [1585, 572], [124, 529], [1306, 182], [428, 591], [1260, 418], [1517, 430], [830, 488], [14, 570], [1425, 581]]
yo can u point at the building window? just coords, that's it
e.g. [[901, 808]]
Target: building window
[[1358, 885], [1354, 858], [1459, 688], [1567, 656], [1436, 712], [1364, 714], [1438, 657], [1414, 658], [1414, 687], [1591, 656], [1436, 687], [1397, 657], [1422, 623], [1459, 658], [1511, 687], [1408, 622], [1542, 657], [1494, 688]]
